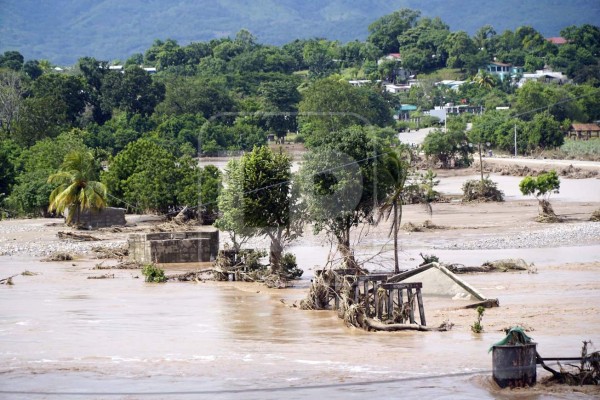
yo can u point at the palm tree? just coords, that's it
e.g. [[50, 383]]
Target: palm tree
[[397, 171], [485, 80], [77, 190]]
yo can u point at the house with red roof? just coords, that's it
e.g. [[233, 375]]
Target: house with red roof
[[559, 41]]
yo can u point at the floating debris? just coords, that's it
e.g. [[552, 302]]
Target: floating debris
[[79, 237], [59, 256], [105, 276]]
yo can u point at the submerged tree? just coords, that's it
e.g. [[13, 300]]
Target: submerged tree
[[542, 187], [342, 183], [257, 200], [77, 189]]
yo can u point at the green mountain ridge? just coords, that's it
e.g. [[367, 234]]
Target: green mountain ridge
[[64, 30]]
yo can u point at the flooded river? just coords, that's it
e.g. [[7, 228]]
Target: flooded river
[[62, 335]]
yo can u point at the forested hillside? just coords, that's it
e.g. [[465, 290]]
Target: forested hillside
[[146, 125], [63, 30]]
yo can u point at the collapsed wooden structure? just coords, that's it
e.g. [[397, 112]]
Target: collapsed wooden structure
[[392, 302], [387, 300]]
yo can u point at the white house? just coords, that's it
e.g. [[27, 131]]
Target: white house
[[544, 75]]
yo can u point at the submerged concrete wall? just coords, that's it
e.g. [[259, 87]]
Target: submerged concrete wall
[[174, 247], [105, 217]]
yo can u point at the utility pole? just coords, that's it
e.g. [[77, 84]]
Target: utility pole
[[515, 139], [480, 162]]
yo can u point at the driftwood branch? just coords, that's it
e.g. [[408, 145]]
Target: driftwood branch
[[374, 324], [7, 281], [80, 237]]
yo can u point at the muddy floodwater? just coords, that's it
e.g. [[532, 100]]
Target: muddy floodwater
[[63, 335]]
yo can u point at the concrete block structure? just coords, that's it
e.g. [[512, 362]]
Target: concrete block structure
[[103, 218], [174, 247]]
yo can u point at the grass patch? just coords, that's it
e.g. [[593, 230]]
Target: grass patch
[[453, 74], [581, 149]]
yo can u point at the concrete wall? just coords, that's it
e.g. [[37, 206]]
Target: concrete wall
[[108, 216], [174, 247]]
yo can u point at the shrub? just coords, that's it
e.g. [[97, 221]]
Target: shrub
[[421, 189], [289, 266], [582, 149], [477, 190], [154, 273], [477, 327]]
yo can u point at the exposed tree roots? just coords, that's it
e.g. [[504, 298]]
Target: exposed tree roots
[[547, 214]]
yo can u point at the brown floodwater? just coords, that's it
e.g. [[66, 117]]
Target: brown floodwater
[[64, 336]]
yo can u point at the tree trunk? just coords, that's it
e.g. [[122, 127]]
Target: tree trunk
[[547, 208], [345, 249], [480, 165], [397, 220], [275, 251]]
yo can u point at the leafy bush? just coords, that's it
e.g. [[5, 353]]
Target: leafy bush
[[477, 190], [290, 266], [421, 189], [252, 258], [154, 273], [428, 121]]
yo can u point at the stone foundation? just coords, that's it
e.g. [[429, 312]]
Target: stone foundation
[[174, 247]]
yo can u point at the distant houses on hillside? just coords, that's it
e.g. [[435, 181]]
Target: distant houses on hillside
[[504, 70], [121, 68], [558, 41], [545, 76]]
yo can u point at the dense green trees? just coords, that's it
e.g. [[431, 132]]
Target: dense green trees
[[12, 91], [228, 94], [31, 191], [451, 147], [384, 32], [332, 104], [144, 177]]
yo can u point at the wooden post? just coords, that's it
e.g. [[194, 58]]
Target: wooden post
[[421, 309], [400, 305], [410, 304]]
